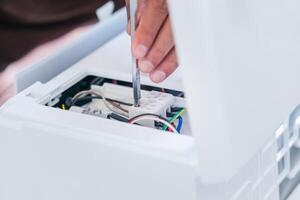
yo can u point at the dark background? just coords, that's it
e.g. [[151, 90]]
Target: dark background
[[25, 24]]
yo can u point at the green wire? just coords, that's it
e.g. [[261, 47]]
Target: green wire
[[173, 119]]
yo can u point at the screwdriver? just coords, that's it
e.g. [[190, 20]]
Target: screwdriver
[[136, 77]]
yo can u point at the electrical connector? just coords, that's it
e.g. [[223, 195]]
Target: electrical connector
[[153, 102], [95, 108]]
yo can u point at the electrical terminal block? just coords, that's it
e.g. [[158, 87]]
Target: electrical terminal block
[[153, 102]]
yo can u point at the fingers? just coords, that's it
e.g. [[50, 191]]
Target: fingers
[[160, 49], [154, 45], [150, 24], [167, 67]]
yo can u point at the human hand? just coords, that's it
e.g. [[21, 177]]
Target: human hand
[[154, 45]]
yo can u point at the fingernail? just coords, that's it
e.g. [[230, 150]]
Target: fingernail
[[158, 76], [146, 66], [140, 51]]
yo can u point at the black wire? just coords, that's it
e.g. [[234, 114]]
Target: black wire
[[176, 109], [87, 98], [170, 114], [118, 117]]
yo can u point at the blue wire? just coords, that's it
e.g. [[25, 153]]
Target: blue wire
[[180, 122]]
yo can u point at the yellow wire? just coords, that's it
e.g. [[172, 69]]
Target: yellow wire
[[173, 119], [177, 115], [63, 106]]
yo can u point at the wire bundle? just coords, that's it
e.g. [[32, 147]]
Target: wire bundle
[[153, 117], [111, 105], [177, 116], [121, 114]]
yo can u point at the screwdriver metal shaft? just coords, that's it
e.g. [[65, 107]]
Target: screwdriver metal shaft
[[136, 79]]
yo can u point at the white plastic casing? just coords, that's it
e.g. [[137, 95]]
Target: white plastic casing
[[240, 63], [241, 70], [67, 155], [117, 92], [154, 103]]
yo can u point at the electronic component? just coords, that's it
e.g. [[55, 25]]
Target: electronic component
[[113, 100], [154, 103]]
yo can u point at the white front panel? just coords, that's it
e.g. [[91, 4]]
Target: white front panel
[[47, 156], [241, 66]]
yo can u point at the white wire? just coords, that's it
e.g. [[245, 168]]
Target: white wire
[[100, 94], [87, 92], [149, 117], [107, 104]]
